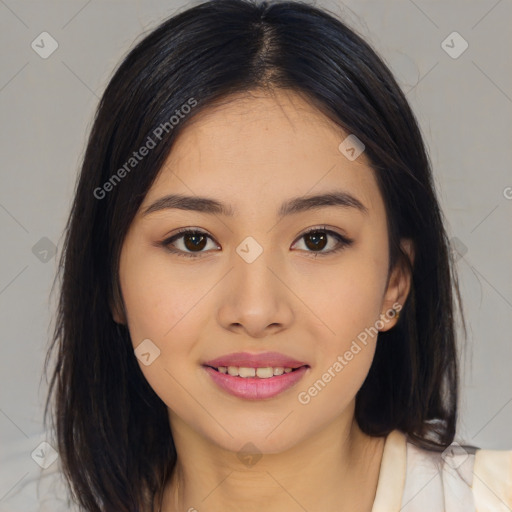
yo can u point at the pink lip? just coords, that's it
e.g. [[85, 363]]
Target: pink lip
[[263, 360], [254, 388]]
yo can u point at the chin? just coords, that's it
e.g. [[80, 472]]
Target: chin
[[261, 441]]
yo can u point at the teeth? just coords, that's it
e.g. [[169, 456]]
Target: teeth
[[247, 372], [262, 373], [233, 370]]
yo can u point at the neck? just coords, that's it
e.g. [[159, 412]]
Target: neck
[[334, 469]]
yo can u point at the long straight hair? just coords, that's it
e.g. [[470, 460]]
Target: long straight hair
[[112, 430]]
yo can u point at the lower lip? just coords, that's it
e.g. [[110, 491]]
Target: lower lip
[[254, 388]]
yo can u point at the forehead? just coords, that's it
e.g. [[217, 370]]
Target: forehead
[[261, 147]]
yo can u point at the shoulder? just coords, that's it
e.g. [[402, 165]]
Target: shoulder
[[461, 478], [492, 480]]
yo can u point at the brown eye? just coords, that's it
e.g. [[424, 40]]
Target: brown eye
[[188, 243], [194, 241], [317, 239]]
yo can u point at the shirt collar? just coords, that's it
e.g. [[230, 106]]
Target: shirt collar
[[390, 486]]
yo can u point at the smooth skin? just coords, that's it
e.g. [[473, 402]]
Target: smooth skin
[[252, 154]]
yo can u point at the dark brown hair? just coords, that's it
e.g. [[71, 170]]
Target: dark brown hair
[[112, 430]]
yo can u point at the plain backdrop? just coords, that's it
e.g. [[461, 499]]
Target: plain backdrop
[[461, 96]]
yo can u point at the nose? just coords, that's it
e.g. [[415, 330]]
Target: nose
[[255, 298]]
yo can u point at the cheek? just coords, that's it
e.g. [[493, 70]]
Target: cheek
[[343, 359], [347, 303], [161, 308], [157, 301], [347, 298], [159, 313]]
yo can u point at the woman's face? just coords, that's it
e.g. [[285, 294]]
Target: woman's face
[[255, 283]]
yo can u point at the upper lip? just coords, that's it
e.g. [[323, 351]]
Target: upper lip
[[262, 360]]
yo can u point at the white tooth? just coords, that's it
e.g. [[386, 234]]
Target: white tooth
[[265, 373], [246, 372], [233, 371]]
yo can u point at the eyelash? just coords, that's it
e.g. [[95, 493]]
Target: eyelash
[[343, 241]]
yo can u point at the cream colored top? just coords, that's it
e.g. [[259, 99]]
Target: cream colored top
[[460, 479]]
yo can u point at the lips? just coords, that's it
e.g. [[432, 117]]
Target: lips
[[255, 388], [263, 360], [287, 373]]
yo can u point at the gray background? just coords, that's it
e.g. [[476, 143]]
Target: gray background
[[464, 107]]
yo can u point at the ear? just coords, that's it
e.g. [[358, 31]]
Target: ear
[[117, 313], [398, 287]]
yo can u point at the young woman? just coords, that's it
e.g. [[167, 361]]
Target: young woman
[[258, 301]]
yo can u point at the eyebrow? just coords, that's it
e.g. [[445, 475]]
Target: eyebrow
[[337, 198]]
